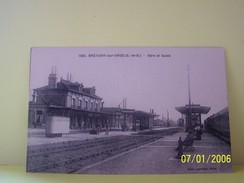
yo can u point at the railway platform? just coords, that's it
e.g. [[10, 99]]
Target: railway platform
[[36, 136], [158, 157], [126, 153]]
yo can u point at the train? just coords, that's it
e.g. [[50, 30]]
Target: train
[[218, 125]]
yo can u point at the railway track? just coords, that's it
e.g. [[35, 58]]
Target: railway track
[[71, 156]]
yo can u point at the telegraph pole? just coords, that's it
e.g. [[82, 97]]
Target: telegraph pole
[[168, 117], [189, 97]]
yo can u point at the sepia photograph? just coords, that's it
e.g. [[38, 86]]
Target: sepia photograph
[[128, 110]]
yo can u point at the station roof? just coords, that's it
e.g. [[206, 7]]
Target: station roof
[[195, 108], [128, 111], [144, 114]]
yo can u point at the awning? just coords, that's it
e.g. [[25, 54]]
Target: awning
[[194, 109]]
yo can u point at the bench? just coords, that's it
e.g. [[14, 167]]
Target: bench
[[188, 145]]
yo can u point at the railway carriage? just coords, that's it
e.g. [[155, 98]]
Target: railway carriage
[[218, 124]]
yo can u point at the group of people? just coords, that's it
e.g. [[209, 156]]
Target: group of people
[[107, 128], [198, 129], [194, 133]]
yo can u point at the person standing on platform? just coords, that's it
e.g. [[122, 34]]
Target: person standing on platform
[[107, 128]]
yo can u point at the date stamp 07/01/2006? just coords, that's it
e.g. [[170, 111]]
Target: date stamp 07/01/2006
[[202, 158]]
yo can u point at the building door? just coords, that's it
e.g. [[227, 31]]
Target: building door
[[39, 118]]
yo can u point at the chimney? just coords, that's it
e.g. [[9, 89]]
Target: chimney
[[52, 79], [34, 96]]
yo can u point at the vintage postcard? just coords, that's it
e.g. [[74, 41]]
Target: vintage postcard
[[128, 110]]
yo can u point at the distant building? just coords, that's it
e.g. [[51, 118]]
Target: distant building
[[130, 119], [180, 122]]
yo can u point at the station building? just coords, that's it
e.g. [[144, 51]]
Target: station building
[[67, 99], [82, 106]]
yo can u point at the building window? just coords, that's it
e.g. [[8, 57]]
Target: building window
[[38, 112], [91, 105], [86, 105], [80, 103], [96, 107], [73, 103], [39, 117]]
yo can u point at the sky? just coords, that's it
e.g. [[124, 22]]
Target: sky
[[148, 77]]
